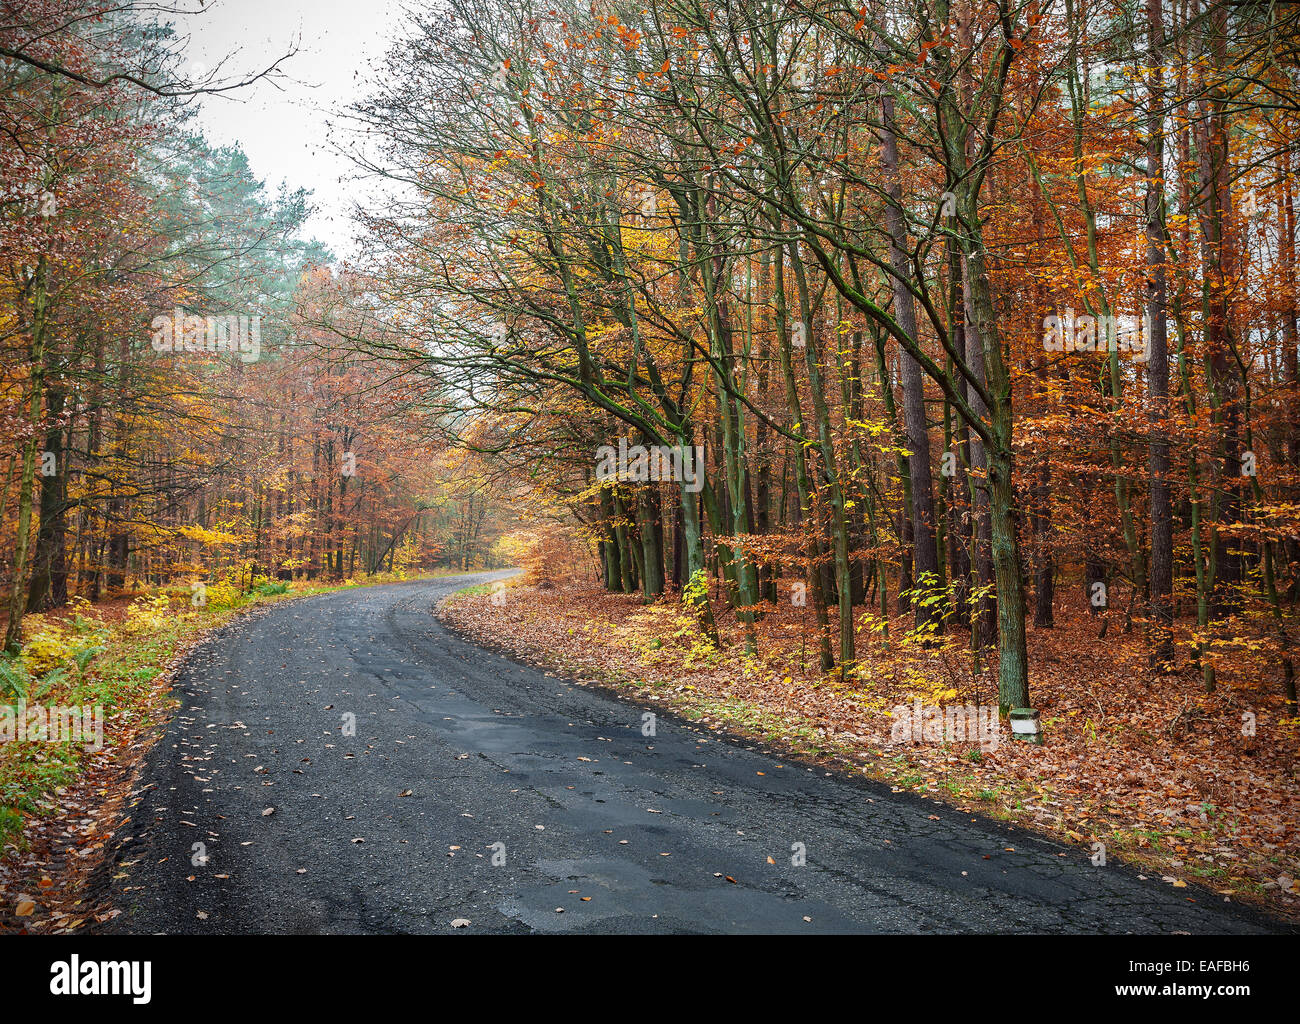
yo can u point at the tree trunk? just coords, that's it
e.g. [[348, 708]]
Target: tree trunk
[[1161, 613], [925, 557], [49, 584]]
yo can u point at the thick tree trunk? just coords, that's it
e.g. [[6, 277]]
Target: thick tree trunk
[[49, 583], [652, 579], [1013, 663], [612, 550], [626, 559], [1219, 272]]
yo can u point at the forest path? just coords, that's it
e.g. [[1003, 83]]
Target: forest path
[[652, 829]]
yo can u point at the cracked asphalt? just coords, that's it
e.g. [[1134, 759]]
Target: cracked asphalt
[[477, 788]]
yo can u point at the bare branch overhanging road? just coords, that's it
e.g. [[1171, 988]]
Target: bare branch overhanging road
[[586, 806]]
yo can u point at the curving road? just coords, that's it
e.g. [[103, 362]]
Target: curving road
[[455, 749]]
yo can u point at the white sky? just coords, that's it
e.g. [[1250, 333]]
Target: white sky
[[284, 130]]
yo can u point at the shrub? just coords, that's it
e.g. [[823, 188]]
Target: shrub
[[45, 650], [148, 614], [223, 595]]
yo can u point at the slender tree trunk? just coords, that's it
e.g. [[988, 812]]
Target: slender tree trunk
[[1161, 612], [826, 444], [959, 491], [802, 482], [925, 557], [984, 620]]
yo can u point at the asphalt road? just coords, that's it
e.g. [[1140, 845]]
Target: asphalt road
[[651, 830]]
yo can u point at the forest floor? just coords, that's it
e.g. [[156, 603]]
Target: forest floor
[[1153, 771], [60, 803]]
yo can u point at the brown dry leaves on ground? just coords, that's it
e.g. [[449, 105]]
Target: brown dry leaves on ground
[[1160, 773]]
